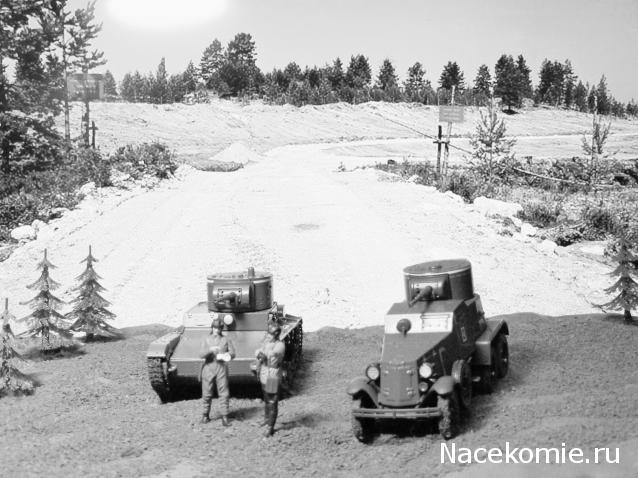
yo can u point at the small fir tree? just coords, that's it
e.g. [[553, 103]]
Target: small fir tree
[[625, 286], [45, 318], [492, 155], [5, 317], [12, 380], [89, 312]]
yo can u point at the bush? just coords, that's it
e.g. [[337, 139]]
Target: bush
[[541, 213], [424, 170], [88, 165], [154, 159]]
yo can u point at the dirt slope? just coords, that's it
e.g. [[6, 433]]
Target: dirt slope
[[201, 130]]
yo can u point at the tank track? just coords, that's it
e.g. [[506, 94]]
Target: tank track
[[294, 339], [157, 376]]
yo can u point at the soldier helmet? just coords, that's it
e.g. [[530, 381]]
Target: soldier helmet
[[274, 329], [217, 323]]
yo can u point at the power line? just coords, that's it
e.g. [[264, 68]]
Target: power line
[[421, 132]]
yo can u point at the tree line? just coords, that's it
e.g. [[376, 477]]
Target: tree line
[[231, 71]]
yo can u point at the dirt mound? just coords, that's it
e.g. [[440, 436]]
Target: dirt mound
[[237, 153]]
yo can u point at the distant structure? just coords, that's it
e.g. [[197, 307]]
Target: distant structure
[[75, 83]]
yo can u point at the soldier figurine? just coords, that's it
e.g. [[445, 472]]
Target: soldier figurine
[[270, 357], [216, 350]]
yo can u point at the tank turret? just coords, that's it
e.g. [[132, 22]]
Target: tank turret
[[239, 291]]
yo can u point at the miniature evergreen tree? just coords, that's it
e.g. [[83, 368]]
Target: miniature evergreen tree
[[492, 154], [45, 318], [625, 286], [6, 317], [12, 381], [89, 310]]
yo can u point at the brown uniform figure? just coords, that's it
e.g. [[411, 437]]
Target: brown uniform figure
[[216, 350], [270, 356]]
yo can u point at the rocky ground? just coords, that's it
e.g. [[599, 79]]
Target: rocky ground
[[336, 242]]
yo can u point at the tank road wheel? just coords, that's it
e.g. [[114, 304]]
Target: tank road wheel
[[450, 420], [159, 382], [462, 375], [362, 428], [501, 356]]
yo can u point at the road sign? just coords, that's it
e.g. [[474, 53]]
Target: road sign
[[451, 114]]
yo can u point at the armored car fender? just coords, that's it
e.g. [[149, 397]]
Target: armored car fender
[[364, 386]]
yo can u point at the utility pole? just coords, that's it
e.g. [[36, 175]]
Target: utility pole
[[439, 142], [449, 133]]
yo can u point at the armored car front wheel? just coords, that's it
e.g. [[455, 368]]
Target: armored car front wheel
[[362, 428], [450, 420]]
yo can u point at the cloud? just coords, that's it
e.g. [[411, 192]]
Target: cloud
[[165, 14]]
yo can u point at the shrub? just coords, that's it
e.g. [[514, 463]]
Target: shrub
[[541, 213], [565, 235], [465, 184], [424, 170], [89, 165], [154, 159]]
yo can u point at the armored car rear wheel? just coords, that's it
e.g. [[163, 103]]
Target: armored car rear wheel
[[501, 356], [159, 380], [450, 420], [362, 428]]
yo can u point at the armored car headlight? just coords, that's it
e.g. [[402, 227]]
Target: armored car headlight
[[228, 319], [372, 372], [425, 370]]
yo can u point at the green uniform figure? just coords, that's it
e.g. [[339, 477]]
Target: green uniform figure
[[270, 356], [216, 350]]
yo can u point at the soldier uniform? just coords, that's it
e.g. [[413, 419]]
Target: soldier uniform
[[271, 356], [215, 369]]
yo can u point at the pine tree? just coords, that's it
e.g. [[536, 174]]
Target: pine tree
[[414, 85], [159, 88], [508, 81], [387, 77], [483, 85], [12, 381], [358, 74], [525, 89], [625, 286], [189, 78], [89, 312], [82, 33], [110, 86], [336, 75], [452, 76], [580, 97], [45, 318], [6, 317], [569, 85], [602, 97], [240, 71], [28, 97], [492, 151]]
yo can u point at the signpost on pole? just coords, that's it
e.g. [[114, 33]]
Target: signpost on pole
[[447, 114]]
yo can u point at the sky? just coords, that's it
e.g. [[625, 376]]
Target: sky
[[598, 37]]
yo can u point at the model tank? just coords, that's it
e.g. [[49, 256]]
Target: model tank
[[244, 301]]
